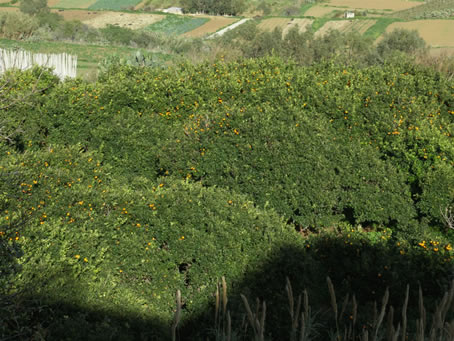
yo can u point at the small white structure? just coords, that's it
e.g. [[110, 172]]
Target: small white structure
[[173, 10], [349, 14], [63, 65]]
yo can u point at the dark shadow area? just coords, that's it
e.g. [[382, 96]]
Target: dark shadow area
[[359, 268]]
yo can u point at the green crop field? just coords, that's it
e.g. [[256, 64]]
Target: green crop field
[[74, 4], [176, 25], [114, 4]]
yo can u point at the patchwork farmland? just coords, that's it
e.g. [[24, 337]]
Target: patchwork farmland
[[101, 13]]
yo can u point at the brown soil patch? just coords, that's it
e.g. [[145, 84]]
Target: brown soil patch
[[77, 14], [271, 24], [52, 3], [129, 20], [9, 9], [339, 25], [319, 11], [140, 5], [395, 5], [437, 33], [215, 24], [442, 51], [302, 24]]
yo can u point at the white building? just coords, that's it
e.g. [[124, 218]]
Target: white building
[[349, 14], [173, 10]]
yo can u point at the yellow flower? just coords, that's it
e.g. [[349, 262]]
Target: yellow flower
[[85, 260], [77, 256]]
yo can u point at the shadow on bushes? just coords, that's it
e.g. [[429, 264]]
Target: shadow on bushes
[[363, 264]]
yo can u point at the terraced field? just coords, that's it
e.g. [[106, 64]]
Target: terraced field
[[285, 24], [344, 26]]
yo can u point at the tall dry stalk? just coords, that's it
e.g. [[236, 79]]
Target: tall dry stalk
[[294, 312], [332, 294], [257, 319], [177, 316], [404, 314], [222, 318], [378, 322]]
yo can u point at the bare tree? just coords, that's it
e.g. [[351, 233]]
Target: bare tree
[[448, 216]]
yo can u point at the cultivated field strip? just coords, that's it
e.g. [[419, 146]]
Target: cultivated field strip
[[319, 11], [272, 23], [360, 26], [285, 24], [215, 24], [72, 3], [129, 20], [302, 24], [339, 25], [345, 26], [395, 5]]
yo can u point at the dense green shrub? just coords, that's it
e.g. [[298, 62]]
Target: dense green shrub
[[401, 40], [33, 7], [17, 25], [221, 7], [152, 180], [153, 240]]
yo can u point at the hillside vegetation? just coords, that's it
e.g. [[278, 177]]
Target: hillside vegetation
[[116, 194]]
